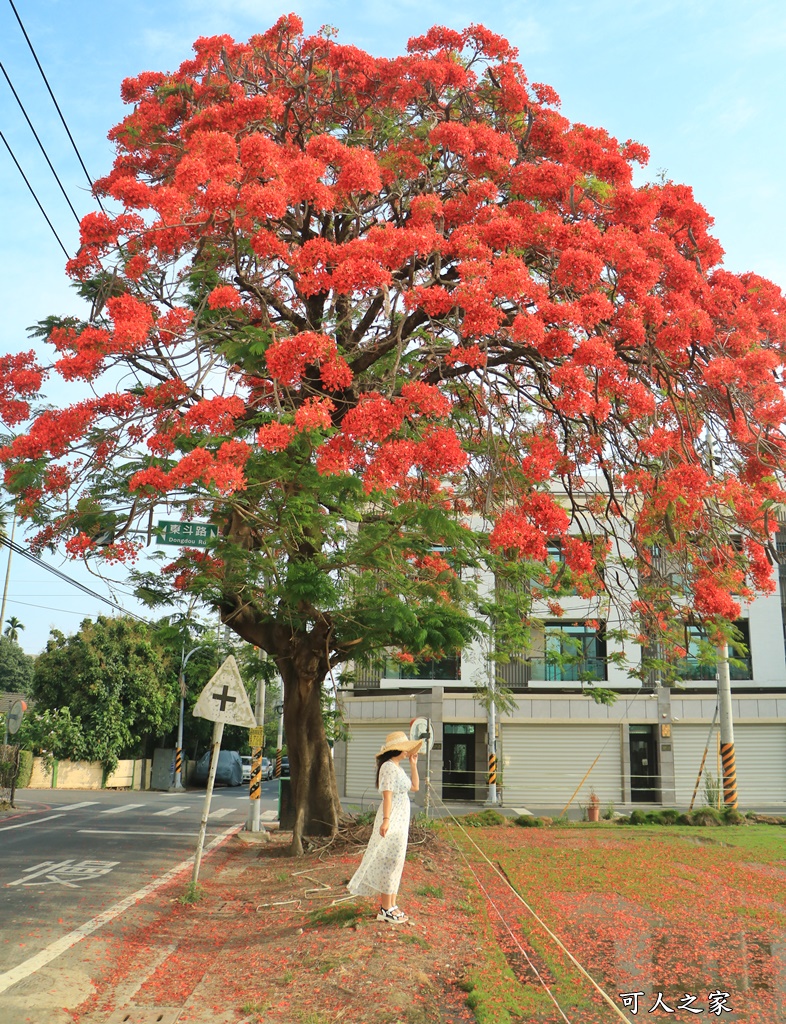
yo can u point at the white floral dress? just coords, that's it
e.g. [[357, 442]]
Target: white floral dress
[[382, 864]]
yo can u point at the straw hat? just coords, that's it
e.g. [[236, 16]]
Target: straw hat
[[399, 741]]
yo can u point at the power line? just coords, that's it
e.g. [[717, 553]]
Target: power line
[[20, 550], [32, 192], [57, 105], [40, 143]]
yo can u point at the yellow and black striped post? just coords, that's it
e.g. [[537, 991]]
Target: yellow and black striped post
[[255, 782], [729, 775], [178, 762], [492, 769], [278, 763]]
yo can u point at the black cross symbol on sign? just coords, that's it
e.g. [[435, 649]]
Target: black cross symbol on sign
[[224, 697]]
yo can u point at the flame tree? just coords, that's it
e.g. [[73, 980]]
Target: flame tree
[[369, 316]]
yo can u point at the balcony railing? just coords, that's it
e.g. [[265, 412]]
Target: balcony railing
[[521, 673], [688, 668], [438, 669]]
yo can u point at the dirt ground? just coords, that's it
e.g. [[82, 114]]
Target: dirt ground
[[266, 942]]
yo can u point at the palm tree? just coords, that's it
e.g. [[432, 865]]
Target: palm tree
[[13, 625]]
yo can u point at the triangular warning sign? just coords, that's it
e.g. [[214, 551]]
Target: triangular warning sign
[[224, 699]]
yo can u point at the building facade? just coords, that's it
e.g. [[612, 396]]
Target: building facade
[[655, 746]]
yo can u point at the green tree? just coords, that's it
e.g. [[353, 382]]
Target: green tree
[[16, 667], [13, 626], [117, 683]]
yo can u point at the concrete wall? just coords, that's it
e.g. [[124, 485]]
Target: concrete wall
[[129, 774]]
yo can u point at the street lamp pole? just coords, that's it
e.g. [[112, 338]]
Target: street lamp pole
[[178, 778]]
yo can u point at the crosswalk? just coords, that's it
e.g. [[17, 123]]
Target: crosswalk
[[167, 812]]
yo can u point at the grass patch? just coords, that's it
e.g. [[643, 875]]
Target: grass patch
[[340, 916], [484, 819], [433, 891], [192, 893]]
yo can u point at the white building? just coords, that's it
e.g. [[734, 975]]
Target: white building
[[644, 750]]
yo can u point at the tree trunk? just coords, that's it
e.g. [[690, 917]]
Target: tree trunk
[[314, 791]]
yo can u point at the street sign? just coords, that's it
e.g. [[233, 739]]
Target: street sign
[[186, 535], [256, 736], [224, 699], [15, 715]]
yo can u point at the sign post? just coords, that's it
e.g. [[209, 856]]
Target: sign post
[[223, 701], [14, 718]]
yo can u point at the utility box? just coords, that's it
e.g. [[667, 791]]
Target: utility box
[[163, 768], [286, 805]]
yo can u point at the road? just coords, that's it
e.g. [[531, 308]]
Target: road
[[70, 856]]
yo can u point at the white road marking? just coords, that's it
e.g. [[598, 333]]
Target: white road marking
[[54, 949], [73, 807], [122, 808], [171, 810], [269, 815], [128, 832], [221, 813], [5, 828]]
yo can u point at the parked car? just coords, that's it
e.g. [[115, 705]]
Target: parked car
[[267, 768], [285, 767], [246, 762], [229, 771]]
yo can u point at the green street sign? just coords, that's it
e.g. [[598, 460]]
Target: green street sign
[[186, 535]]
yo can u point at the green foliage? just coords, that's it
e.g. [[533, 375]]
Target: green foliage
[[25, 769], [16, 667], [341, 915], [192, 893], [116, 684], [484, 819], [54, 734], [529, 821]]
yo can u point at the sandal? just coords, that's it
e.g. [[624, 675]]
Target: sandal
[[392, 916]]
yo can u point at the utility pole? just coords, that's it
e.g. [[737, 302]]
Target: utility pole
[[726, 728], [492, 733], [7, 573], [254, 820]]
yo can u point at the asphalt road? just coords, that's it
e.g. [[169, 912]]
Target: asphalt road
[[68, 856]]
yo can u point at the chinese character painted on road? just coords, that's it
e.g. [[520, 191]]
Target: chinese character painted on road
[[65, 872], [630, 1000]]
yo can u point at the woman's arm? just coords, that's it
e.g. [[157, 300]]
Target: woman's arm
[[413, 767], [387, 804]]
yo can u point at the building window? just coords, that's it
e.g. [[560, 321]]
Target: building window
[[700, 662], [574, 652], [439, 669]]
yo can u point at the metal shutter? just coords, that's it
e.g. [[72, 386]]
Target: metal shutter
[[760, 751], [362, 747], [543, 764]]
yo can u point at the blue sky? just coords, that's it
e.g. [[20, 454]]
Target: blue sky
[[702, 83]]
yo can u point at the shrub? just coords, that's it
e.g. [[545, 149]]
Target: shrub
[[669, 816], [25, 769], [484, 819], [706, 816], [731, 816], [529, 821], [637, 817]]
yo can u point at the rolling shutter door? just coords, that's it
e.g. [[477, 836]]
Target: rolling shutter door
[[760, 752], [543, 764], [362, 747], [688, 742]]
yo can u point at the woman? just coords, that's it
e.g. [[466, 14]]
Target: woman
[[382, 864]]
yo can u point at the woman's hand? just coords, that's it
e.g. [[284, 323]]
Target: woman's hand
[[413, 759], [383, 828]]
